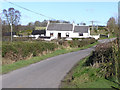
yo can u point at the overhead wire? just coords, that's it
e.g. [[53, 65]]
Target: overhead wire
[[30, 10]]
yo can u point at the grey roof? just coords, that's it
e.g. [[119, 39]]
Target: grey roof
[[81, 29], [60, 27], [38, 32]]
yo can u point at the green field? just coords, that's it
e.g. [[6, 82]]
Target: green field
[[97, 32], [40, 28]]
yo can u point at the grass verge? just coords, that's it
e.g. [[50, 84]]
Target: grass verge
[[82, 76], [22, 63], [111, 36]]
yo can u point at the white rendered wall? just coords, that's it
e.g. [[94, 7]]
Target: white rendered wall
[[76, 35], [55, 33], [63, 34]]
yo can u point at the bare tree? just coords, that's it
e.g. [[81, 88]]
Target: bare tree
[[12, 16]]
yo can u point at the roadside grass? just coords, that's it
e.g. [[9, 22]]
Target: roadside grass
[[111, 36], [22, 63], [82, 76]]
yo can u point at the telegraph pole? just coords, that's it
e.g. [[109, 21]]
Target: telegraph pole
[[11, 29], [92, 24], [97, 26]]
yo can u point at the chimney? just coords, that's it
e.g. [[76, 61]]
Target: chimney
[[47, 24], [73, 25]]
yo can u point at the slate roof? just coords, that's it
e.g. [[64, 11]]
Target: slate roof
[[60, 27], [38, 32], [81, 29]]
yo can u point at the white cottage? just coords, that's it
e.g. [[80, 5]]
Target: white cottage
[[64, 30]]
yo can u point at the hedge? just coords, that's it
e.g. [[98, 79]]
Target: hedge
[[104, 59], [20, 50]]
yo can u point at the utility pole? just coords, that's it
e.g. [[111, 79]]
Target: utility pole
[[11, 29], [97, 26], [92, 24]]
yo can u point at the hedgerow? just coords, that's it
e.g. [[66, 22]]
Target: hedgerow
[[105, 58], [23, 50], [20, 50]]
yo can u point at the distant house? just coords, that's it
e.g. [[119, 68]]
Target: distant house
[[38, 33], [66, 30]]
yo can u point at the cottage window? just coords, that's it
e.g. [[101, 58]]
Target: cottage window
[[80, 34], [67, 34], [51, 34]]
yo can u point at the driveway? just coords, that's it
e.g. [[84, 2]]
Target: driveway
[[47, 73]]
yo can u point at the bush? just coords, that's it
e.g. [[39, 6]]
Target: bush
[[21, 50], [6, 48], [101, 54], [103, 58]]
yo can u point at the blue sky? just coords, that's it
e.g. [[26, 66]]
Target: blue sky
[[69, 11]]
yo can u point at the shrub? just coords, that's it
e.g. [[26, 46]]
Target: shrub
[[25, 49], [103, 58]]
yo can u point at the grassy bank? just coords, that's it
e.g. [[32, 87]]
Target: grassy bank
[[82, 76], [107, 38], [22, 63]]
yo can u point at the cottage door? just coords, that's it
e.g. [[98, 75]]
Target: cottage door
[[59, 35]]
